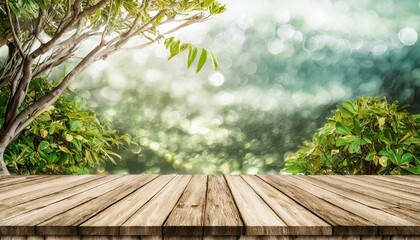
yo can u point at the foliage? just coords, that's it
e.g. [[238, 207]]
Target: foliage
[[68, 138], [367, 136], [176, 47], [42, 36]]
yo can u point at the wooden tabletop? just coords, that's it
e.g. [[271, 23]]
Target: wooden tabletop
[[200, 205]]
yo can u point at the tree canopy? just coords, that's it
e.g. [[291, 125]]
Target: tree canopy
[[42, 36]]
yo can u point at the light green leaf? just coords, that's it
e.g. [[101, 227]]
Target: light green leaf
[[342, 130], [415, 170], [43, 145], [406, 158], [345, 140], [214, 61], [192, 53], [202, 60], [354, 146]]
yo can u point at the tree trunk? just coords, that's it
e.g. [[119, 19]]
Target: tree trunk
[[5, 139], [3, 168]]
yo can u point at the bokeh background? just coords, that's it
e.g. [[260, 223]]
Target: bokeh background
[[284, 65]]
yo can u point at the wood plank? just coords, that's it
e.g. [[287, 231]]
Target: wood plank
[[258, 218], [50, 189], [385, 202], [147, 220], [13, 180], [52, 198], [66, 223], [300, 238], [102, 224], [63, 238], [222, 216], [379, 187], [26, 222], [21, 238], [379, 182], [300, 221], [403, 182], [384, 220], [412, 178], [187, 216], [343, 222], [223, 237], [24, 186]]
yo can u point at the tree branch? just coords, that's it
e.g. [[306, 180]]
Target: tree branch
[[49, 98], [76, 17], [12, 27]]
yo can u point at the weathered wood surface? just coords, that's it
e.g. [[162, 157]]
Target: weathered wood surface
[[209, 207]]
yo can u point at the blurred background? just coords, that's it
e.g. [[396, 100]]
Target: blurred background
[[284, 65]]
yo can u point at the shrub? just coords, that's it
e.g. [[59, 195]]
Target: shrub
[[68, 138], [367, 136]]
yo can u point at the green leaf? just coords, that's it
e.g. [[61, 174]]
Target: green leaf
[[413, 140], [342, 130], [202, 60], [415, 170], [406, 158], [214, 61], [345, 140], [356, 125], [350, 107], [168, 42], [77, 144], [192, 53], [354, 146], [370, 156], [75, 125], [43, 145]]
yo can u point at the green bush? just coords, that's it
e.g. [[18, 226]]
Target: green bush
[[66, 139], [367, 136]]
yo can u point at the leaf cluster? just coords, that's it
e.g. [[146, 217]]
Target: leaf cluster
[[175, 47], [367, 136], [68, 138]]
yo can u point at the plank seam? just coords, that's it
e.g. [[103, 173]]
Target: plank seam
[[263, 199], [64, 199], [64, 189], [166, 219], [320, 186], [334, 227], [147, 201], [381, 189], [203, 216], [316, 214], [236, 205], [78, 233]]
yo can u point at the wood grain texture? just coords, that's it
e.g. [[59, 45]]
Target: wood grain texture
[[300, 221], [222, 216], [50, 189], [258, 217], [380, 218], [187, 216], [14, 180], [383, 188], [209, 207], [149, 219], [343, 221], [103, 224], [48, 199], [69, 220], [26, 222], [387, 203]]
